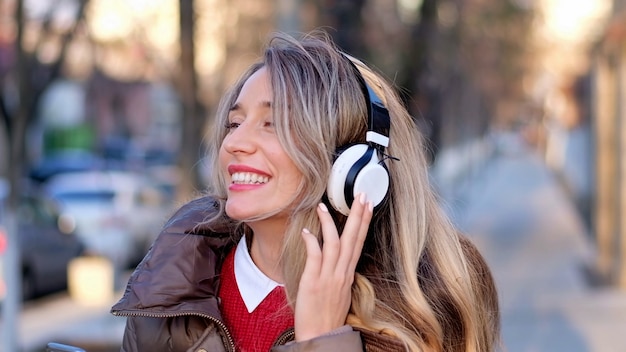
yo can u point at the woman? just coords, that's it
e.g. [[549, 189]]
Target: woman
[[320, 231]]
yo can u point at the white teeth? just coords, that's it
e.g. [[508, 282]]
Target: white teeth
[[248, 178]]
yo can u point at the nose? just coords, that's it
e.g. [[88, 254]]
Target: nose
[[240, 140]]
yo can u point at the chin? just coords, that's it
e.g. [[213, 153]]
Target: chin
[[234, 214], [238, 212], [242, 212]]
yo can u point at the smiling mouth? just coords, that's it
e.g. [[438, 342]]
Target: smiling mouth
[[248, 178]]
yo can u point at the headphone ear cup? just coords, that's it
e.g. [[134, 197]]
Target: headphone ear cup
[[356, 170], [373, 180]]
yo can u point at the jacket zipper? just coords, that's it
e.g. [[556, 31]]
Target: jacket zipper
[[230, 343], [285, 337]]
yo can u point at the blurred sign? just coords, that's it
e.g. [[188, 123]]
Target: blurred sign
[[91, 280]]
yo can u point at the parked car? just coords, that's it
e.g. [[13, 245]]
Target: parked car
[[117, 213], [46, 245]]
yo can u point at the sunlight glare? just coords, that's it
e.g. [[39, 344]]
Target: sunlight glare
[[574, 19]]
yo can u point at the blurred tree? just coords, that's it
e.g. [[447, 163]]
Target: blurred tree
[[459, 64], [479, 58], [35, 68], [192, 110], [345, 23], [37, 65], [472, 56], [423, 98]]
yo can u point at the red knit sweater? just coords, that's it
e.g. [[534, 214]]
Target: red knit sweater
[[256, 331]]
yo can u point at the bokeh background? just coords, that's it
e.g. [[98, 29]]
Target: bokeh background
[[521, 102]]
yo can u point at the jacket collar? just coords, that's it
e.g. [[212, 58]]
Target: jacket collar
[[180, 273]]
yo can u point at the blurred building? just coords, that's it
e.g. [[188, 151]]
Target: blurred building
[[608, 111]]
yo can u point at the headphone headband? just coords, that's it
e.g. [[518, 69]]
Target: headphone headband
[[379, 123], [360, 168]]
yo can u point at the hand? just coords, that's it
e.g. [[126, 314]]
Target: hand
[[324, 293]]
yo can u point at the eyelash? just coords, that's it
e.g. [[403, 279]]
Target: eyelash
[[231, 125]]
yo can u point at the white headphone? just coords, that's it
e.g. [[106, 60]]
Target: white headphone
[[359, 168]]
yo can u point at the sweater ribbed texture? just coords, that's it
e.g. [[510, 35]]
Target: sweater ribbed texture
[[256, 331]]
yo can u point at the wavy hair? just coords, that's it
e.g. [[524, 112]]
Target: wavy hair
[[418, 279]]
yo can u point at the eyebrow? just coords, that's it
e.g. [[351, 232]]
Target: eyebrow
[[237, 106]]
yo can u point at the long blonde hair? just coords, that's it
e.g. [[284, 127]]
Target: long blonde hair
[[417, 279]]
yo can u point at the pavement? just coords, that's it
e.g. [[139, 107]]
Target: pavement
[[519, 215], [527, 225], [62, 319]]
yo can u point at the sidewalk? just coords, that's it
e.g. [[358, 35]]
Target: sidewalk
[[537, 247], [61, 319]]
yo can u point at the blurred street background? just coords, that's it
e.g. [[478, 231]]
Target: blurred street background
[[104, 105]]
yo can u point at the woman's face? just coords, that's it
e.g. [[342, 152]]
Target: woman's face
[[262, 176]]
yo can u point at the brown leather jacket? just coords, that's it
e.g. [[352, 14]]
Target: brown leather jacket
[[171, 301]]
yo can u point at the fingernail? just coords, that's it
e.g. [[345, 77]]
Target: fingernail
[[305, 230], [362, 198], [323, 207]]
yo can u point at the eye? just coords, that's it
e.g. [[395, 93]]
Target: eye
[[268, 124], [231, 125]]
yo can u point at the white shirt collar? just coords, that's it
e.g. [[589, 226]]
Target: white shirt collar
[[253, 285]]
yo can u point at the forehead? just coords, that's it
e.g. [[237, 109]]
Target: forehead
[[256, 87]]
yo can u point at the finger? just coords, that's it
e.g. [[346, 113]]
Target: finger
[[354, 234], [312, 265], [362, 234], [331, 244]]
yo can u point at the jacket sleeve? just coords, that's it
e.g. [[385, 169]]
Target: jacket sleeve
[[129, 342], [142, 326], [345, 342]]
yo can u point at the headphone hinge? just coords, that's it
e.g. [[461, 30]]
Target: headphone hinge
[[377, 138]]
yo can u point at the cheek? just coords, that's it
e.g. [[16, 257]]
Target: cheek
[[222, 168], [283, 162], [294, 175], [223, 159], [291, 171]]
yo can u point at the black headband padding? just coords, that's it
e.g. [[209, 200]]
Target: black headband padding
[[378, 115]]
